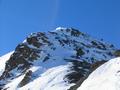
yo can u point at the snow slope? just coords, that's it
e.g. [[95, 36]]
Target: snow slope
[[52, 79], [106, 77]]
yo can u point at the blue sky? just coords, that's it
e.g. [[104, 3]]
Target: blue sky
[[18, 18]]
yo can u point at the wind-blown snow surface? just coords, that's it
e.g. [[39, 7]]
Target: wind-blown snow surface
[[106, 77], [53, 60], [52, 79]]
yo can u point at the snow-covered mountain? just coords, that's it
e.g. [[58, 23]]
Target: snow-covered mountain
[[58, 60], [106, 77]]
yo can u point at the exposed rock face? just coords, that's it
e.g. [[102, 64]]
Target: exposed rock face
[[21, 59], [26, 79], [87, 68], [64, 46], [117, 53]]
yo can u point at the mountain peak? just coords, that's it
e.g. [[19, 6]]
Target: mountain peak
[[65, 54], [60, 28]]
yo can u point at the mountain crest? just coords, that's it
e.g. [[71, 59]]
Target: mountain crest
[[65, 52]]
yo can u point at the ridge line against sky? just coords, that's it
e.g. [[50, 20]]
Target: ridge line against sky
[[19, 18]]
